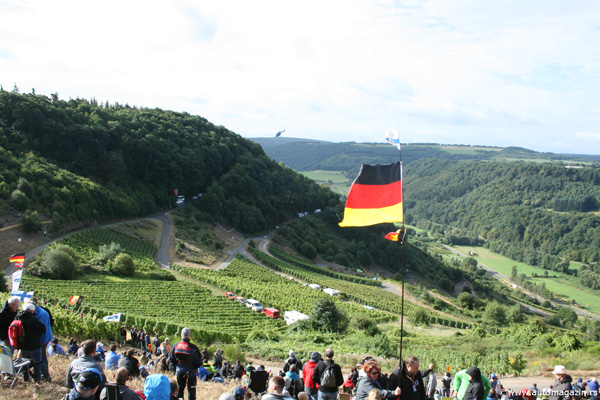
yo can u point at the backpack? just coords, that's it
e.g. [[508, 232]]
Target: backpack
[[328, 377], [16, 334], [183, 352]]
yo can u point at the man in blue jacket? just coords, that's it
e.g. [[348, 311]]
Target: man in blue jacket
[[187, 359], [43, 316]]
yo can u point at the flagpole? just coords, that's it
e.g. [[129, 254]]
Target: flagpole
[[403, 257]]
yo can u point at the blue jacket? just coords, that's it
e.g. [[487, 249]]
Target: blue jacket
[[112, 360], [43, 316]]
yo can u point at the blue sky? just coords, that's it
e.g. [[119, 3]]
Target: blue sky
[[505, 73]]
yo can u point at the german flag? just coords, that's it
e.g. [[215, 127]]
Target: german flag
[[393, 236], [375, 196], [20, 257]]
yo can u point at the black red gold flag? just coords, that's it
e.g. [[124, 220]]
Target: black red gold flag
[[20, 257], [375, 196]]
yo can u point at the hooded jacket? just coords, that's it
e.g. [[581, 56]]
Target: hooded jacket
[[157, 387], [461, 382], [560, 388], [6, 317], [475, 388]]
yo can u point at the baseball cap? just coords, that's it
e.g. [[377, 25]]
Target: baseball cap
[[88, 379], [239, 393]]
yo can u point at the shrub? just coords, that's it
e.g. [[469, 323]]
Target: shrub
[[30, 222], [56, 263], [122, 265], [325, 316]]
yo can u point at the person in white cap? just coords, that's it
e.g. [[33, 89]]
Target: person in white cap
[[562, 385]]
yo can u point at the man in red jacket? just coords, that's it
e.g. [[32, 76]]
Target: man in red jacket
[[307, 376]]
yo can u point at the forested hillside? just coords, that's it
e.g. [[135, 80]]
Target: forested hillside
[[84, 160], [542, 214]]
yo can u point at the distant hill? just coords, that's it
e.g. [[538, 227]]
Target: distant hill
[[310, 155]]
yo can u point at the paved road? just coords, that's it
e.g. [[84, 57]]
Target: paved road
[[163, 251]]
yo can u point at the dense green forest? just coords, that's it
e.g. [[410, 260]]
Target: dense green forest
[[545, 215], [79, 160]]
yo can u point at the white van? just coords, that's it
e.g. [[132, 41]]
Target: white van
[[254, 304]]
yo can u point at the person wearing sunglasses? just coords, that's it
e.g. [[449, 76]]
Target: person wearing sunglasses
[[371, 381]]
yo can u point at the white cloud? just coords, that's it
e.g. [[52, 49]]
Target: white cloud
[[459, 71]]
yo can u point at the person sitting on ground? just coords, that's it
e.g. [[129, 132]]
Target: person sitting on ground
[[238, 369], [174, 389], [72, 349], [366, 385], [275, 390], [87, 383], [225, 371], [85, 362], [100, 354], [161, 364], [55, 349], [348, 385], [111, 361], [240, 393], [492, 394], [121, 378], [129, 361]]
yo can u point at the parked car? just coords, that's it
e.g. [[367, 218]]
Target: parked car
[[271, 312], [230, 295], [254, 304], [241, 299]]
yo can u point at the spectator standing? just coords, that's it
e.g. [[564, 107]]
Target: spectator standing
[[123, 332], [45, 318], [475, 390], [431, 386], [205, 355], [292, 360], [34, 330], [496, 384], [329, 376], [593, 387], [409, 378], [121, 378], [446, 384], [112, 358], [461, 382], [86, 361], [187, 359], [7, 315], [562, 384], [218, 360], [307, 376]]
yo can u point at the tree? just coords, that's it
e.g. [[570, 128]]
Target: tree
[[24, 186], [466, 300], [56, 262], [308, 250], [19, 200], [30, 223], [325, 316], [515, 314], [122, 265], [495, 314]]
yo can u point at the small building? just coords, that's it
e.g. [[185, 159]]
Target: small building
[[291, 317]]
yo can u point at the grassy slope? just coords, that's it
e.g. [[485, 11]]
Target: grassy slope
[[562, 285]]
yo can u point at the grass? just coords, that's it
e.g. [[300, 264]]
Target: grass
[[336, 180], [562, 285]]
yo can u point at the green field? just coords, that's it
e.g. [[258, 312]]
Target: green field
[[559, 283], [336, 180]]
